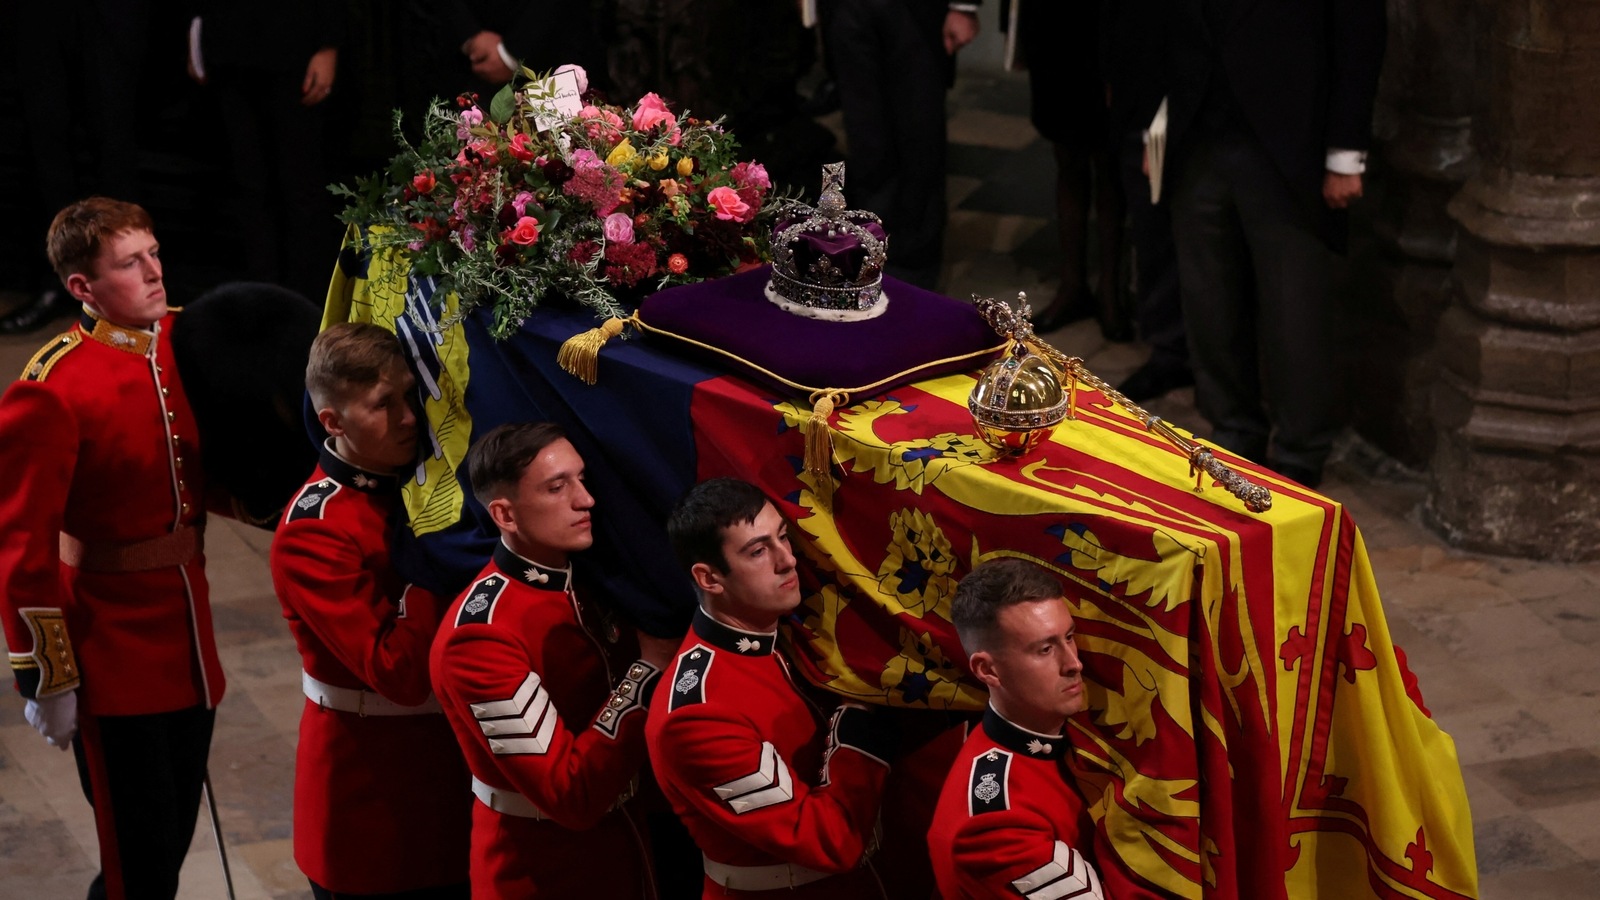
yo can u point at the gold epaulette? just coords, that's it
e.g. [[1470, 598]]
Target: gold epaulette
[[39, 367]]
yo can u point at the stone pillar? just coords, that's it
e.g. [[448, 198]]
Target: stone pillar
[[1401, 260], [1516, 466]]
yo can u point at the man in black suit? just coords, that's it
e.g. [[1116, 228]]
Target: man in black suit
[[1270, 116], [1131, 58], [893, 61]]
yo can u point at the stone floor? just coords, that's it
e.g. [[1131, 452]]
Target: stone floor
[[1506, 649]]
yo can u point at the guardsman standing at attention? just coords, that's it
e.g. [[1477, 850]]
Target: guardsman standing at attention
[[543, 688], [1010, 822], [102, 576], [736, 747], [380, 797]]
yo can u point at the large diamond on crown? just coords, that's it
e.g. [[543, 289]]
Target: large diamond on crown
[[827, 261]]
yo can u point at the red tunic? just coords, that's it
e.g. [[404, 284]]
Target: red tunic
[[381, 803], [525, 673], [740, 754], [98, 443], [1010, 823]]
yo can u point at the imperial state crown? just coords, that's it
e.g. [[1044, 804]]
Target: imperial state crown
[[827, 261]]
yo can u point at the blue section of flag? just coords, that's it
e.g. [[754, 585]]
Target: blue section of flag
[[634, 432]]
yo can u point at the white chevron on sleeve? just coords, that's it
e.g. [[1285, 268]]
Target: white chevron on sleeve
[[490, 709], [539, 743], [523, 724], [769, 785], [1067, 874]]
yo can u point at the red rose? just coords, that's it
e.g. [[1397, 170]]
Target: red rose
[[424, 182], [525, 232], [677, 264], [519, 147]]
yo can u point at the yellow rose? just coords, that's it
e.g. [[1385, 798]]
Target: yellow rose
[[685, 167], [621, 155], [658, 162]]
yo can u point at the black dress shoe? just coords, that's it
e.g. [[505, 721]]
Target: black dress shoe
[[51, 305], [1154, 379]]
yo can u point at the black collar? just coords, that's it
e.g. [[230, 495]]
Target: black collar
[[118, 337], [352, 475], [529, 572], [1020, 740], [726, 637]]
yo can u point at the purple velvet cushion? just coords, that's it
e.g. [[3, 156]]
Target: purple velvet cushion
[[733, 315]]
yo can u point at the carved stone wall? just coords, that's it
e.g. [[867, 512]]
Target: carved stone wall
[[1516, 463]]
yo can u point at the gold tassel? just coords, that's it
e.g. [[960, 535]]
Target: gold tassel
[[819, 441], [580, 354]]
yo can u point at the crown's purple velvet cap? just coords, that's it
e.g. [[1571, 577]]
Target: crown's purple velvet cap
[[844, 250], [733, 314]]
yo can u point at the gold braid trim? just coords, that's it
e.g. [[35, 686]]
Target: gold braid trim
[[52, 652]]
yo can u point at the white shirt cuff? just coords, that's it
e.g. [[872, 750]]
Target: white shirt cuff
[[971, 8], [1347, 162], [506, 57], [195, 58]]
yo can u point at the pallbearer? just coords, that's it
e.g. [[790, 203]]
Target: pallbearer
[[782, 798], [1010, 822], [545, 687], [380, 804]]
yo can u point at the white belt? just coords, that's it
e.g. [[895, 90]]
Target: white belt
[[512, 803], [360, 702], [760, 878]]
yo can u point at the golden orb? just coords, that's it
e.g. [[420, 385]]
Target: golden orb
[[1017, 402]]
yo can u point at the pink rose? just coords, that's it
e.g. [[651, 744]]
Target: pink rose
[[525, 232], [519, 147], [619, 228], [583, 77], [753, 175], [728, 205], [520, 202], [652, 111], [469, 117], [601, 123]]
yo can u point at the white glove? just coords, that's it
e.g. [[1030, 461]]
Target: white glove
[[54, 717]]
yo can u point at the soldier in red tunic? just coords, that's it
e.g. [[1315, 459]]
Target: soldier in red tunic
[[102, 573], [380, 801], [545, 689], [782, 800], [1010, 822]]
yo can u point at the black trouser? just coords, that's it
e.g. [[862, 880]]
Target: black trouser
[[143, 776], [889, 62], [462, 891], [288, 233], [1159, 308], [1254, 271]]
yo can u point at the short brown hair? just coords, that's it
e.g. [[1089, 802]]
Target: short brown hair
[[499, 458], [76, 233], [347, 356], [991, 587]]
